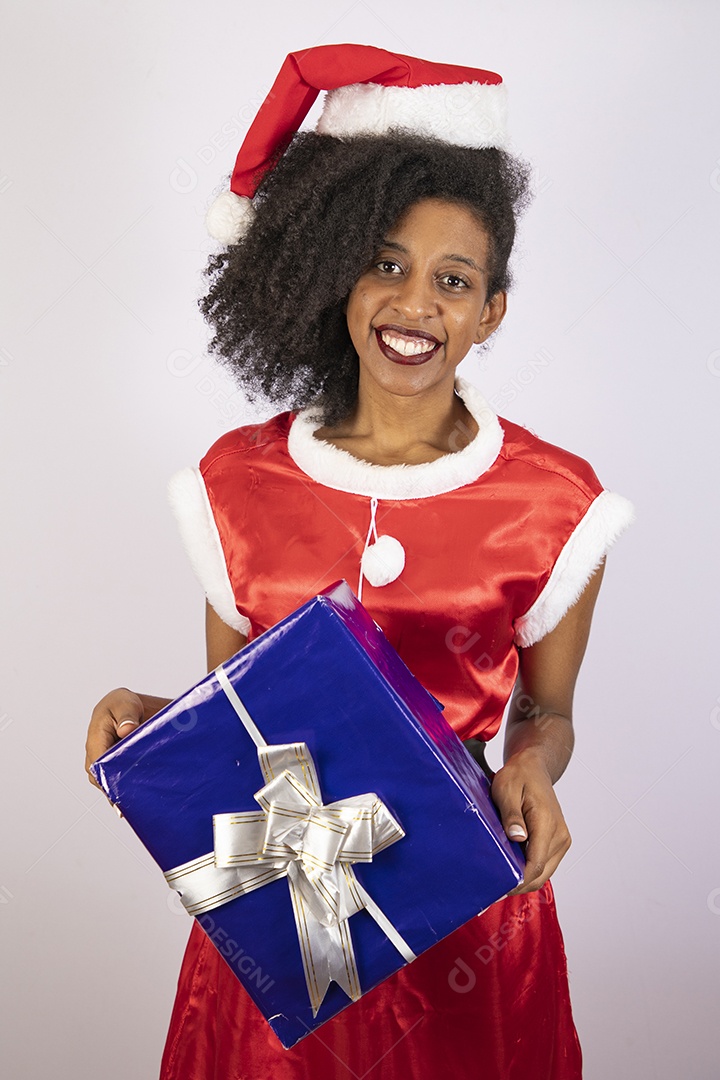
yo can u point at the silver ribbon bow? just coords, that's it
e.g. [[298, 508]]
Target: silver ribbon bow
[[313, 845]]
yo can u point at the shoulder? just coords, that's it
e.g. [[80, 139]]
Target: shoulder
[[210, 505], [570, 507], [253, 441], [530, 459]]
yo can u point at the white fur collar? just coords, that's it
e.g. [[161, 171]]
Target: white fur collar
[[338, 469]]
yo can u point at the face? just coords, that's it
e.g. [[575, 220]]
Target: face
[[422, 303]]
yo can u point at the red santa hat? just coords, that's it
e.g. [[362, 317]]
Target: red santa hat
[[370, 92]]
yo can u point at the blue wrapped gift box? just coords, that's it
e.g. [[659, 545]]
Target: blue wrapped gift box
[[325, 678]]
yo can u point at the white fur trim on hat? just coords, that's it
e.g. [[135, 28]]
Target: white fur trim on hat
[[229, 217], [465, 114], [201, 540], [607, 517]]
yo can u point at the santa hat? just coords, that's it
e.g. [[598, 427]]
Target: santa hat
[[370, 92]]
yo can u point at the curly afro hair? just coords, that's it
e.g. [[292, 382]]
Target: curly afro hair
[[276, 300]]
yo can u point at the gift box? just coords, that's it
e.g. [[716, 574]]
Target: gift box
[[315, 812]]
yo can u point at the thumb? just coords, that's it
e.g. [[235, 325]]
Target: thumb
[[127, 713], [118, 714], [515, 828], [124, 725], [511, 815]]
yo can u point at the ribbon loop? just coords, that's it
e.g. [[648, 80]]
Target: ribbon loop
[[293, 757]]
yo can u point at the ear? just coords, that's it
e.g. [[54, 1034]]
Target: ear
[[492, 315]]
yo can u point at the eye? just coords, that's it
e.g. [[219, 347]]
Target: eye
[[454, 282], [388, 266]]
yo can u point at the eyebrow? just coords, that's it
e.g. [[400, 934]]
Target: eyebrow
[[451, 255]]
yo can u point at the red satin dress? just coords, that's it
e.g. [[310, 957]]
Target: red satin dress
[[499, 540]]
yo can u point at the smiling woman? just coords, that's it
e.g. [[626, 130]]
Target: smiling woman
[[338, 202], [374, 257], [417, 304], [421, 305]]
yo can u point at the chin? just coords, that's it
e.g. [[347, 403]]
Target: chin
[[406, 381]]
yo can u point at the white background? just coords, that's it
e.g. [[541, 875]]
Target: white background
[[113, 143]]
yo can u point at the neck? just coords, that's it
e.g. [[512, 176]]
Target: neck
[[392, 429]]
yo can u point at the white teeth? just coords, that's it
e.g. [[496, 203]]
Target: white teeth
[[406, 346]]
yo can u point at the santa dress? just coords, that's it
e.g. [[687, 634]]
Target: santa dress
[[500, 539]]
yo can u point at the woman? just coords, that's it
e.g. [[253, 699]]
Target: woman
[[372, 265]]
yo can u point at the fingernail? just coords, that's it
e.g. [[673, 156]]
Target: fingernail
[[516, 832], [124, 722]]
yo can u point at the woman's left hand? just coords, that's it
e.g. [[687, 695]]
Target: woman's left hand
[[539, 740], [523, 793]]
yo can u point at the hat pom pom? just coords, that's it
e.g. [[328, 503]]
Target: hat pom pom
[[383, 561], [230, 217]]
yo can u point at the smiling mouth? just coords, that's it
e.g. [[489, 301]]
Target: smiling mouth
[[406, 346]]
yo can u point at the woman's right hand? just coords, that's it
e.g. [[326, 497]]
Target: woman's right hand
[[115, 716]]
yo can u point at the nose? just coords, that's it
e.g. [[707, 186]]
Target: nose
[[415, 297]]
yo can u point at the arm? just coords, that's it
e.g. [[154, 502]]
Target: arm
[[122, 710], [539, 740], [221, 640]]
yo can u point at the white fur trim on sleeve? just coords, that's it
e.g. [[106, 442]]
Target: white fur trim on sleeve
[[201, 540], [607, 517]]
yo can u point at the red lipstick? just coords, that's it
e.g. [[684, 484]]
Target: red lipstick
[[404, 334]]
